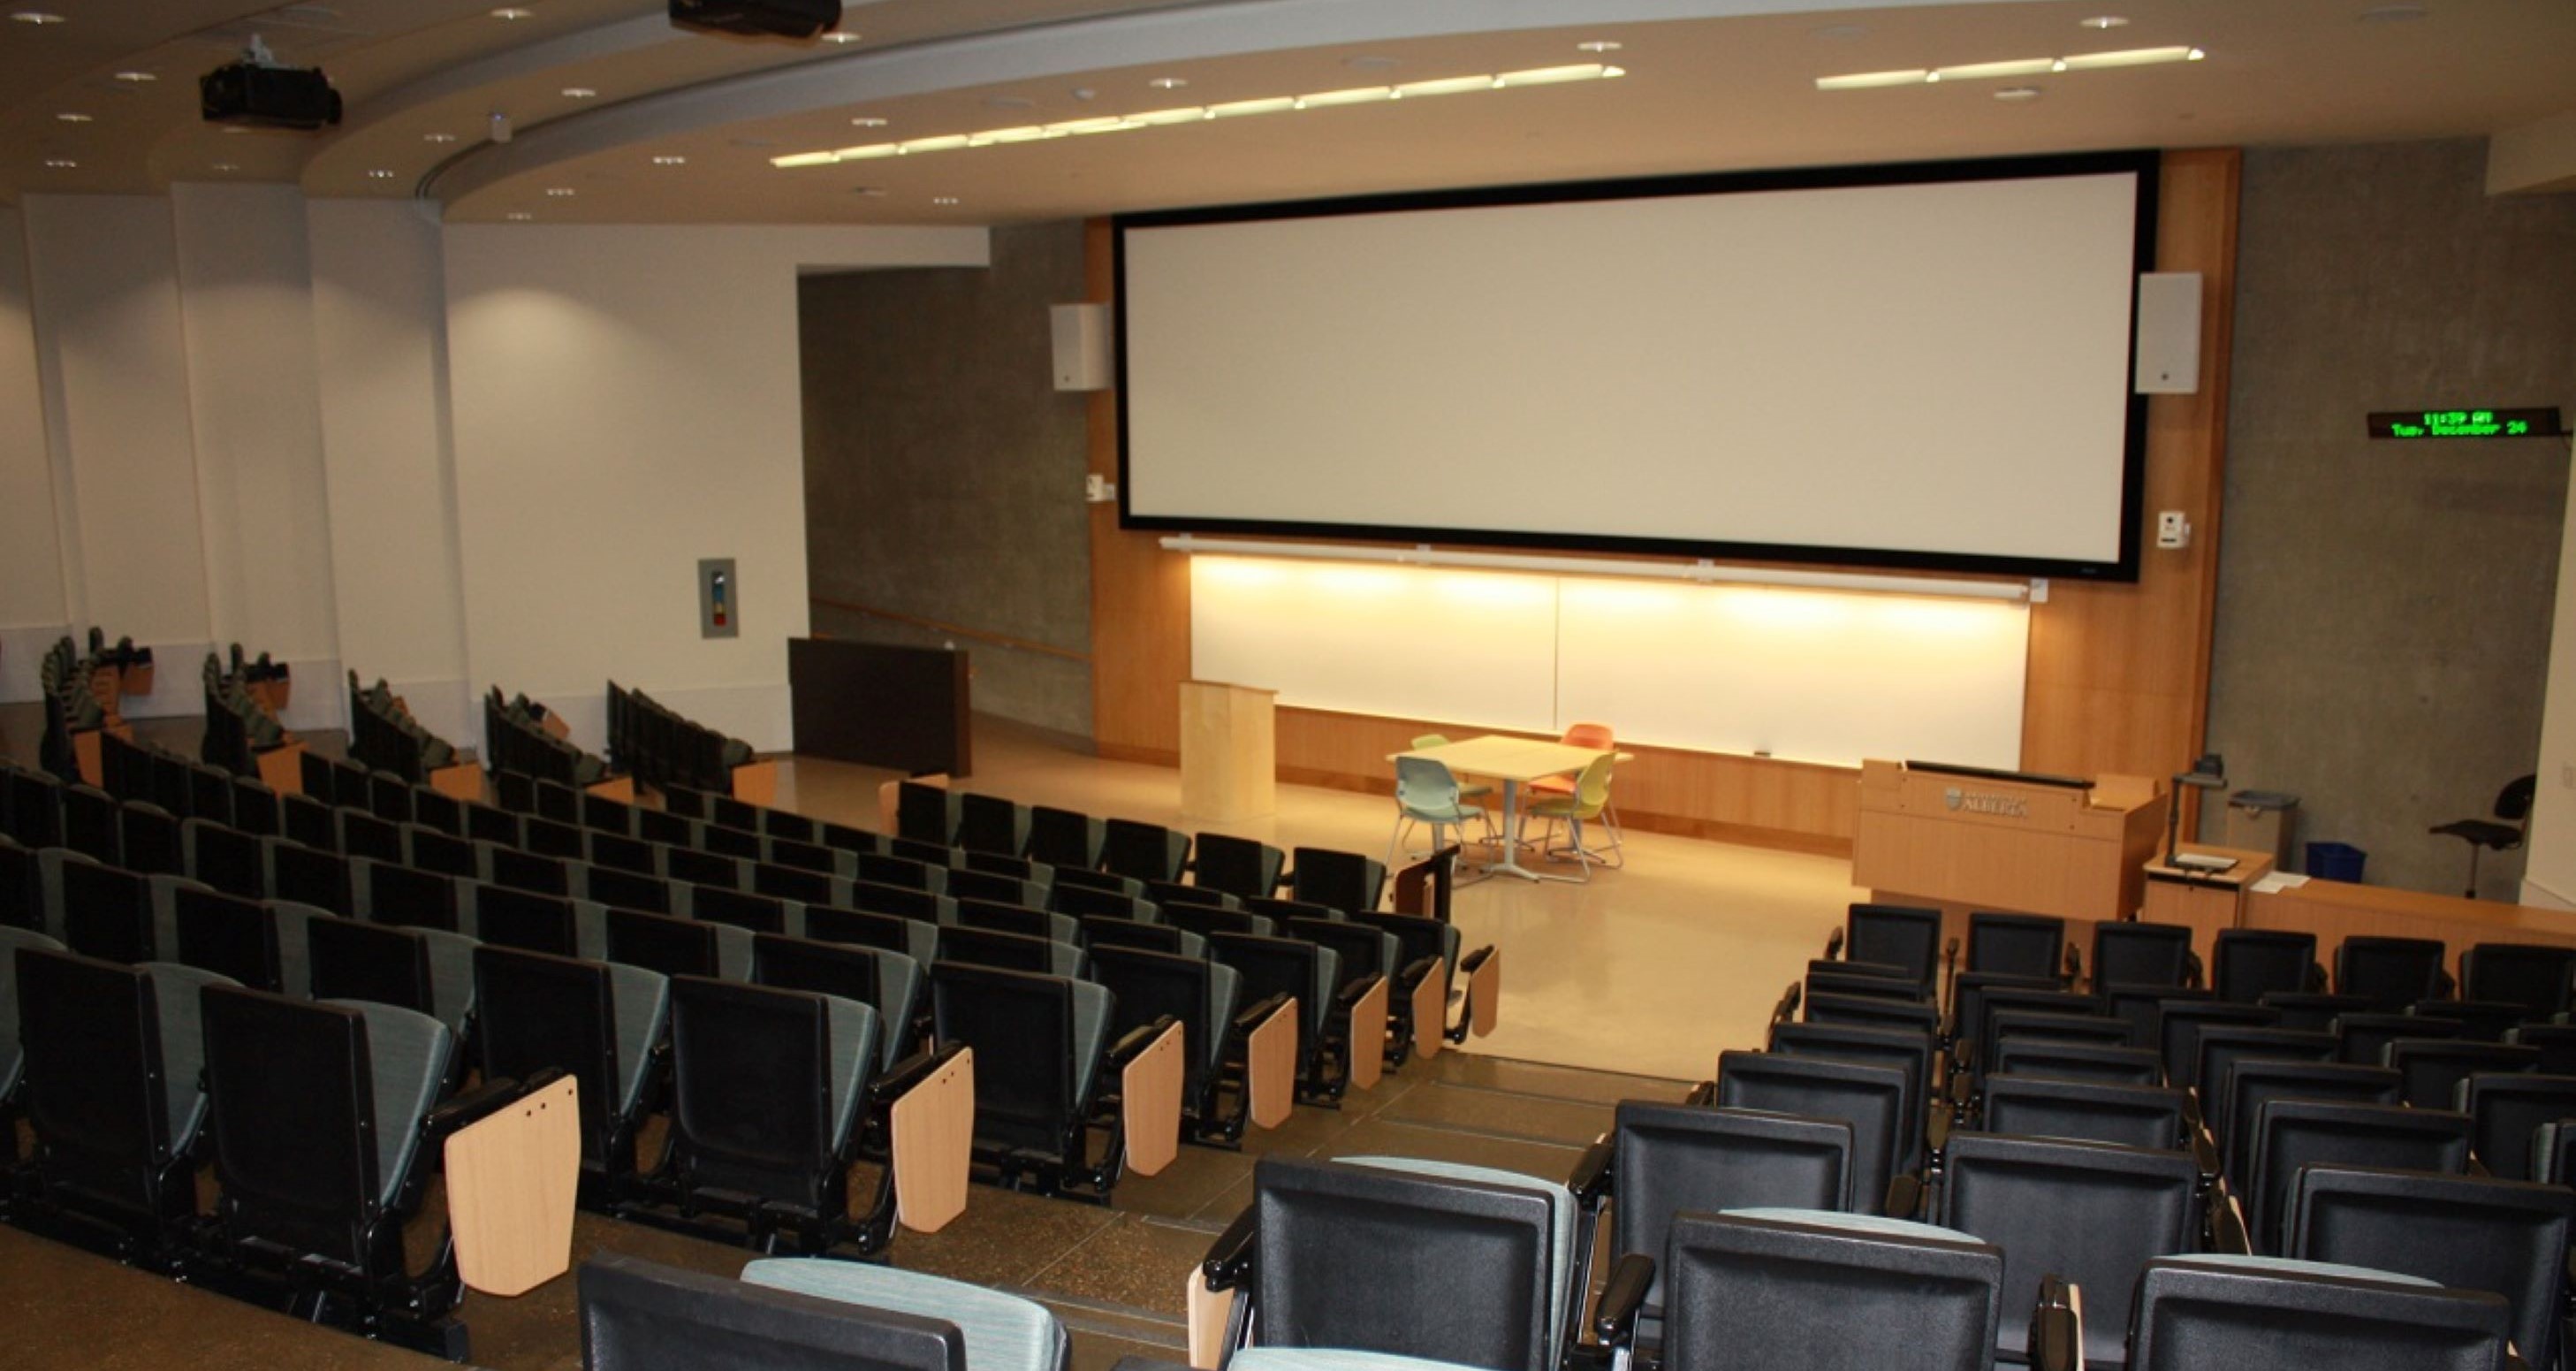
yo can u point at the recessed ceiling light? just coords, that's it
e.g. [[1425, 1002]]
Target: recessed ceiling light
[[580, 93], [843, 38], [1168, 82], [2393, 14], [380, 173], [2105, 21], [61, 163], [73, 117], [136, 78], [513, 12], [670, 159], [2018, 93], [438, 138], [560, 192], [943, 199], [36, 16], [868, 121], [227, 166], [520, 216], [1600, 45]]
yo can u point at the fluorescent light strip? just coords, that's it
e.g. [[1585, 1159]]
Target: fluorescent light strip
[[1703, 572], [2024, 66], [1193, 114]]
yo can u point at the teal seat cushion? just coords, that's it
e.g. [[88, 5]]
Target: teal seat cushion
[[175, 991], [407, 1059]]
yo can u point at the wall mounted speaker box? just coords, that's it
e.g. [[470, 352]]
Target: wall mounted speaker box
[[1081, 346], [760, 18], [2168, 333]]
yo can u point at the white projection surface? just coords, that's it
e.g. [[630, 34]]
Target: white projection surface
[[1924, 369], [1802, 675]]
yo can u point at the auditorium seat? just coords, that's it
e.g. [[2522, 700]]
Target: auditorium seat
[[889, 982], [2508, 1237], [2435, 1069], [754, 913], [2178, 1029], [2031, 945], [11, 1059], [529, 921], [914, 938], [2291, 1135], [150, 839], [106, 913], [2391, 973], [1663, 1160], [1066, 840], [1862, 1011], [993, 887], [2557, 1044], [1147, 987], [1011, 951], [429, 971], [318, 1210], [2364, 1038], [2199, 1312], [1344, 881], [1208, 920], [1921, 1126], [1241, 867], [677, 947], [1020, 919], [1145, 852], [1335, 1255], [2086, 1111], [2535, 976], [991, 823], [927, 813], [2077, 1061], [1044, 1060], [2245, 964], [597, 1022], [2486, 1021], [1085, 902], [2508, 1108], [2221, 1047], [1871, 1099], [1312, 975], [2254, 1083], [2314, 1012]]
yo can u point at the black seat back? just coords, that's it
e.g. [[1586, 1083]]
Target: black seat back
[[1242, 867], [841, 970], [2290, 1135], [1113, 932], [2140, 955], [2256, 1083], [2016, 944], [431, 850], [627, 890], [552, 838], [107, 913], [1679, 1159], [1207, 920], [226, 858], [1342, 1248], [637, 1316], [751, 1088], [925, 813], [2245, 964], [2086, 1111], [229, 936], [411, 899], [2089, 1214], [702, 868], [1911, 1053], [658, 942], [151, 839], [1020, 1025], [91, 824], [526, 920], [311, 876], [823, 923], [1344, 881], [2315, 1013], [2179, 1024], [1064, 839], [1896, 935], [623, 853], [2190, 1317], [1145, 986], [2470, 1233], [2509, 1107], [2532, 975], [759, 913], [2364, 1038], [2490, 1021], [1278, 966], [899, 902], [2223, 1046], [990, 823], [530, 872], [2076, 1061], [536, 1012], [1863, 1011], [2391, 973], [1870, 1099], [1145, 852], [364, 835], [349, 960], [1744, 1291], [1012, 951], [2434, 1069], [313, 1187], [94, 1090]]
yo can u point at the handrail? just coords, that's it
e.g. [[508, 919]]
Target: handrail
[[955, 630]]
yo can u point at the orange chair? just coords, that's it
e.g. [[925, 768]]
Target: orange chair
[[1563, 787]]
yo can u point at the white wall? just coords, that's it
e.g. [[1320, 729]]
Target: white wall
[[626, 402], [246, 308], [113, 357], [31, 576], [380, 325], [2549, 862]]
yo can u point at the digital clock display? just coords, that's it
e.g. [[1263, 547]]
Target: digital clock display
[[2467, 423]]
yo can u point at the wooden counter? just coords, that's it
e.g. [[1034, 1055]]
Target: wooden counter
[[2336, 910], [1959, 841], [2203, 900]]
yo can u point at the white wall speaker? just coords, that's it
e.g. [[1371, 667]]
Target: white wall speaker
[[2168, 333], [1081, 346]]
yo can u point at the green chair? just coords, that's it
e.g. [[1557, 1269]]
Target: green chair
[[1591, 796]]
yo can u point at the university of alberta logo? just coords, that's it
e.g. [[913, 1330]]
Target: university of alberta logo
[[2002, 806]]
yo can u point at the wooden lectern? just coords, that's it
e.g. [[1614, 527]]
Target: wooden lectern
[[1987, 840], [1229, 752]]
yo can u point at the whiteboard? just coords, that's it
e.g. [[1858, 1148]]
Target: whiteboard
[[1805, 675], [1921, 373]]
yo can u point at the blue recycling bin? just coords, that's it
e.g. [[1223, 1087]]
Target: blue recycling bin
[[2336, 861]]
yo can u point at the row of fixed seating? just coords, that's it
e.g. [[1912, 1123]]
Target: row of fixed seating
[[524, 738], [659, 748], [240, 726], [383, 735], [80, 698], [2326, 1132]]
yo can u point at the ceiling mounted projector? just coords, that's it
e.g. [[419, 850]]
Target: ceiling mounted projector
[[256, 92], [760, 18]]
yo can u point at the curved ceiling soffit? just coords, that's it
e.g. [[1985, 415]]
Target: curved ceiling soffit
[[1058, 50]]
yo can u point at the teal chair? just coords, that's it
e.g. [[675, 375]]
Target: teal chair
[[1591, 796], [1427, 792]]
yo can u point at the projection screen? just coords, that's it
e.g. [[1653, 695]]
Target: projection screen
[[1921, 366]]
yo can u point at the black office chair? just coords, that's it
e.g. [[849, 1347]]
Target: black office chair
[[2501, 833]]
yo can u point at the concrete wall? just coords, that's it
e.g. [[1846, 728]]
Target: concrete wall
[[943, 472], [2384, 609]]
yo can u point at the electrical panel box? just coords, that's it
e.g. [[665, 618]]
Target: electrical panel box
[[719, 599]]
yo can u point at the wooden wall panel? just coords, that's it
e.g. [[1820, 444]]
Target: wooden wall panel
[[2119, 674]]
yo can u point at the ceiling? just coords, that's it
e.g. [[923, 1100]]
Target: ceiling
[[681, 127]]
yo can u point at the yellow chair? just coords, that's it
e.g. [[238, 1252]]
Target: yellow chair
[[1591, 796]]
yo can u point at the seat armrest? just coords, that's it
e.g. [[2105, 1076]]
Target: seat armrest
[[2057, 1327], [1786, 1011], [1259, 1014], [1701, 1095], [2227, 1226], [1614, 1319], [1229, 1260], [2191, 971], [1355, 990], [479, 1103], [2204, 1152], [1415, 974], [911, 1071], [1591, 1181], [1132, 1046], [1834, 945], [1906, 1196], [1936, 1130], [2073, 970]]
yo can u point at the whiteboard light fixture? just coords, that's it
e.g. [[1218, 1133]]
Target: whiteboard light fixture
[[2002, 70], [1702, 572]]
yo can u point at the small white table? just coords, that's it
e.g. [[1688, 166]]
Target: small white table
[[1515, 762]]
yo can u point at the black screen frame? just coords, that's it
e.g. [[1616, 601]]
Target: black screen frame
[[2143, 163]]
